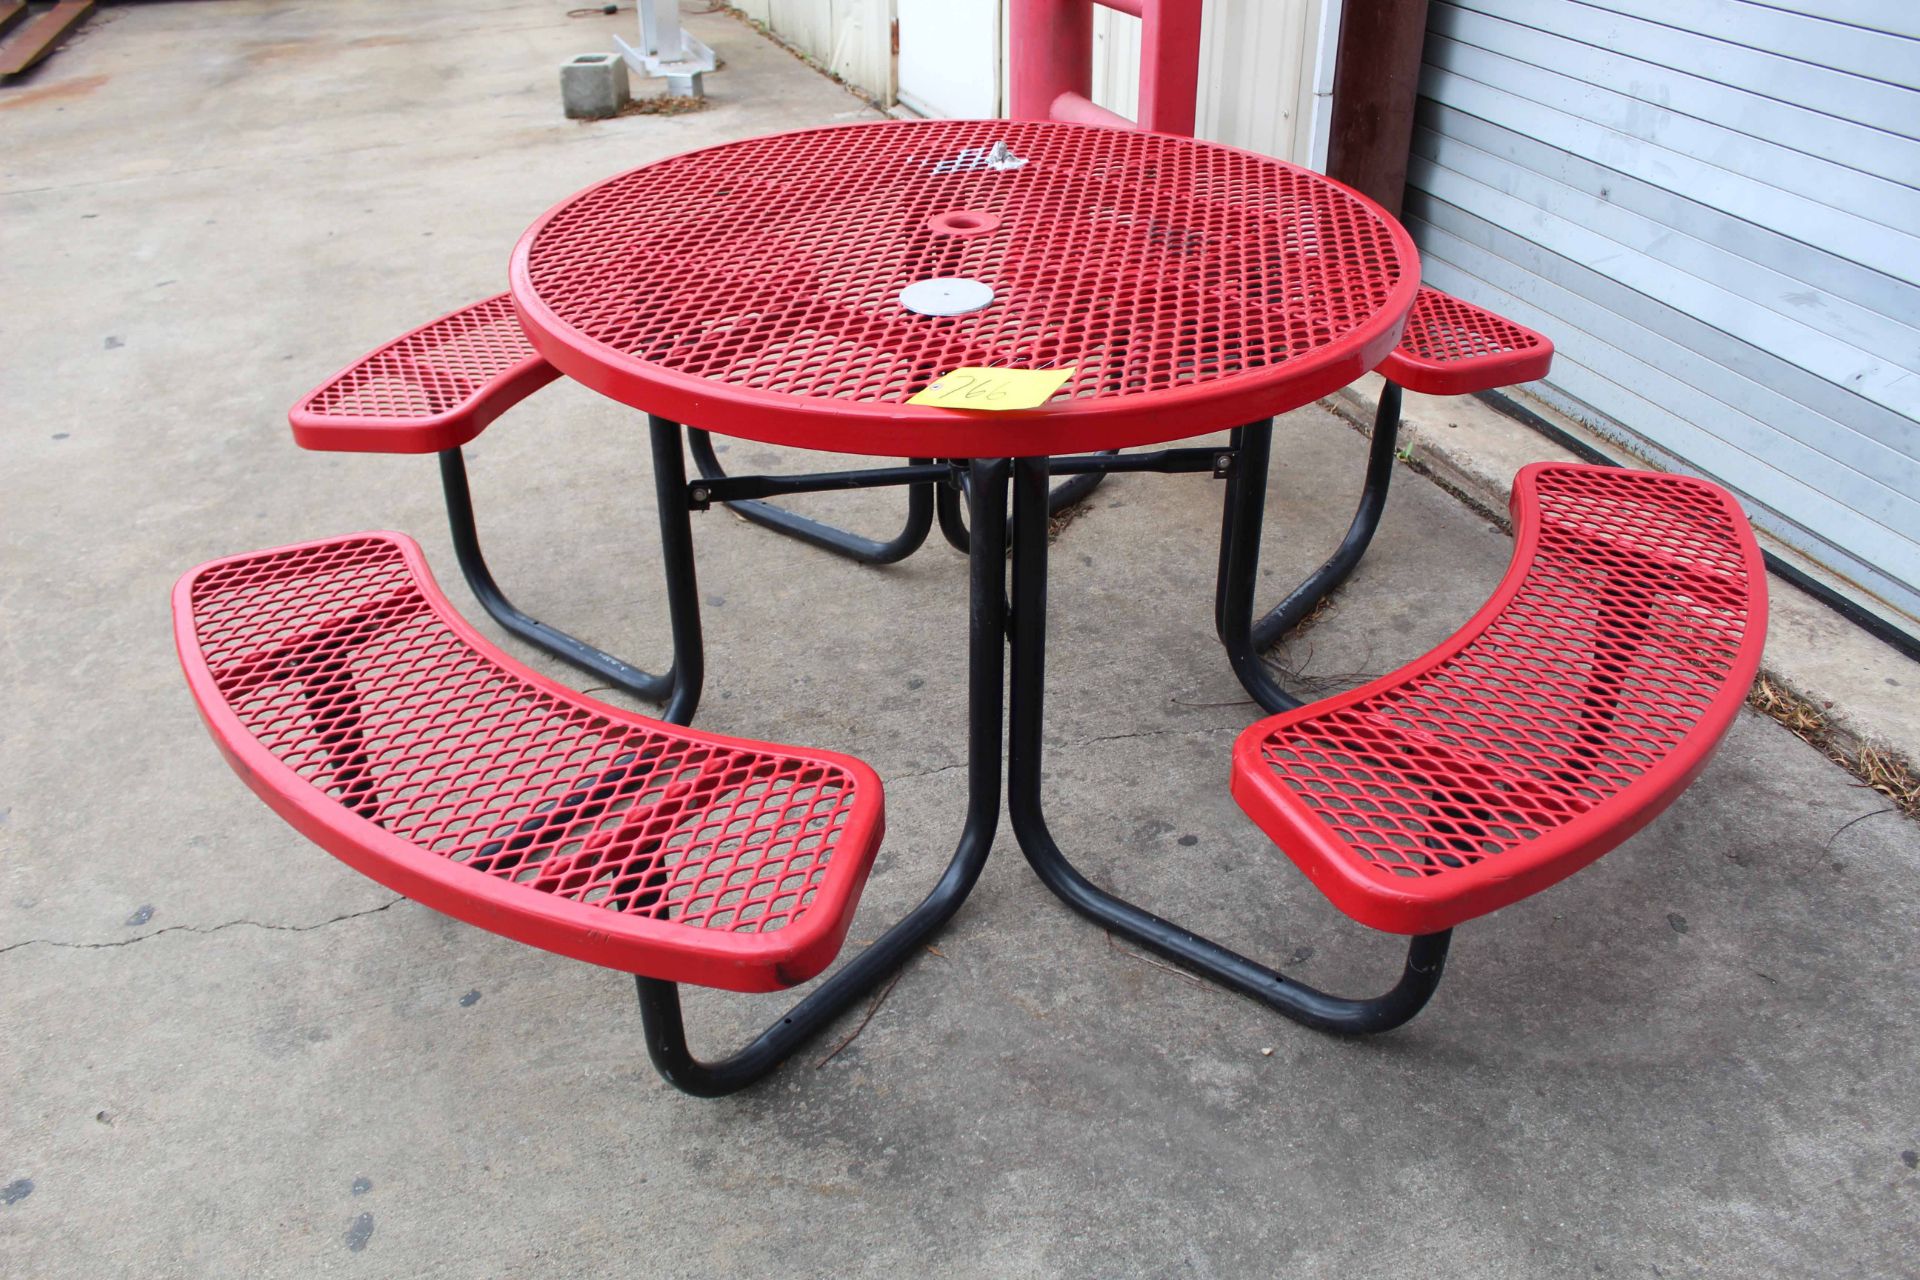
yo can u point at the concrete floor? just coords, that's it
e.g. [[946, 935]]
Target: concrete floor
[[225, 1054]]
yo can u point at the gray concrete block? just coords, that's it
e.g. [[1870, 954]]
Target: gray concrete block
[[594, 86]]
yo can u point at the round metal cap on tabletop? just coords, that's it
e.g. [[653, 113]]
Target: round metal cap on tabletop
[[800, 288], [945, 296]]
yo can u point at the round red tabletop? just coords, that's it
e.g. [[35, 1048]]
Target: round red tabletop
[[755, 288]]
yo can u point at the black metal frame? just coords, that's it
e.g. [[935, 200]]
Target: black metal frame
[[1241, 518], [970, 502], [924, 501], [660, 1000], [1426, 954], [841, 542], [1023, 622], [1381, 451], [937, 490], [679, 686], [953, 524]]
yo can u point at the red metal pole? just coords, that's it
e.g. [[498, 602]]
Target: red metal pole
[[1050, 51], [1050, 46], [1169, 65]]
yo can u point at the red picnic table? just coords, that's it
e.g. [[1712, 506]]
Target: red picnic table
[[802, 290]]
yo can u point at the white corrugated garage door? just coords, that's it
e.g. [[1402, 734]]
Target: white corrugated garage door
[[1713, 207]]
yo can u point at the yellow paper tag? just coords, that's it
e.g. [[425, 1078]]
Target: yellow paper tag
[[994, 389]]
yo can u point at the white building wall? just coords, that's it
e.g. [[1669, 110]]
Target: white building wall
[[1266, 67], [1266, 73], [851, 38]]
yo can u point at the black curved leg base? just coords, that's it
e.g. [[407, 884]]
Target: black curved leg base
[[660, 1001], [1344, 1015], [1322, 582], [1426, 955], [986, 672], [840, 542], [570, 649]]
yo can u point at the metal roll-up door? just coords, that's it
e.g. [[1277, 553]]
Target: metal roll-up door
[[1714, 210]]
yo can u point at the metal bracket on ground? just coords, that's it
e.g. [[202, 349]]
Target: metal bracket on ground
[[667, 51]]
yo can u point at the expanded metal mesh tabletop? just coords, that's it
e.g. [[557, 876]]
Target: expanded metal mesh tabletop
[[756, 288]]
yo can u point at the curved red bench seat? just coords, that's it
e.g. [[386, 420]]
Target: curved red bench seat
[[348, 694], [1584, 696], [432, 389], [1450, 348]]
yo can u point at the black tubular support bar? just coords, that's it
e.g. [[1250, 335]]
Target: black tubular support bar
[[1215, 462], [1426, 954], [570, 649], [730, 489], [683, 585], [1244, 510], [660, 1014], [818, 533], [1322, 582], [1090, 470]]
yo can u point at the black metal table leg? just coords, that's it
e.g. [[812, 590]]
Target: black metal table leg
[[1321, 583], [683, 585], [841, 542], [986, 666], [1234, 442], [953, 521], [568, 648], [1426, 954], [1244, 514], [1075, 488]]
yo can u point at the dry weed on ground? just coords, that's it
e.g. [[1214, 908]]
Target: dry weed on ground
[[1891, 775]]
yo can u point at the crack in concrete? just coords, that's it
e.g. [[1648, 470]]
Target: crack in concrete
[[1150, 733], [194, 928], [924, 773], [394, 902]]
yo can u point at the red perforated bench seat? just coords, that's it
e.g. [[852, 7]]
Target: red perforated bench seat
[[348, 694], [1451, 347], [434, 388], [1569, 711]]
